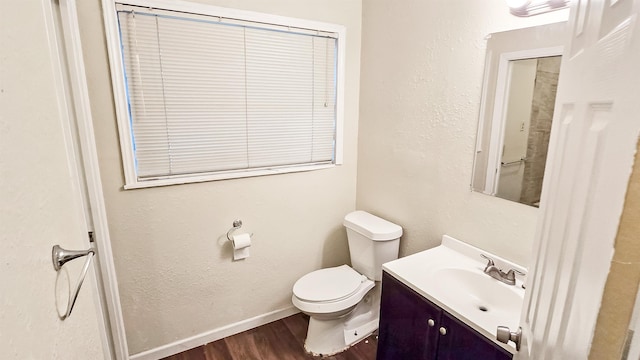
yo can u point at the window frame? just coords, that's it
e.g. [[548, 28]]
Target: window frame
[[125, 131]]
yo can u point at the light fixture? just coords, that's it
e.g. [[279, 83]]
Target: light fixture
[[535, 7]]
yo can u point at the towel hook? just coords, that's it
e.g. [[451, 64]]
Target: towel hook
[[61, 256]]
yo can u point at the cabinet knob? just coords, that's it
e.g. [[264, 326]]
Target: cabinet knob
[[431, 323], [443, 331]]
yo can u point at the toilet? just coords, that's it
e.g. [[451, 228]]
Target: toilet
[[343, 302]]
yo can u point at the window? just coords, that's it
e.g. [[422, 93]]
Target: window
[[206, 93]]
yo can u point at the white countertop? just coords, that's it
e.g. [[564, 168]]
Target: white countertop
[[423, 272]]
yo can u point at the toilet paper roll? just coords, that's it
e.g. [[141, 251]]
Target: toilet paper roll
[[241, 241], [241, 245]]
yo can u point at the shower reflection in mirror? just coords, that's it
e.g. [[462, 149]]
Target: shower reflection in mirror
[[517, 111], [527, 125]]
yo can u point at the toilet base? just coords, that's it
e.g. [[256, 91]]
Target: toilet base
[[353, 335], [325, 337], [331, 336]]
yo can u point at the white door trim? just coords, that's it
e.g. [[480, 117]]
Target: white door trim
[[84, 123]]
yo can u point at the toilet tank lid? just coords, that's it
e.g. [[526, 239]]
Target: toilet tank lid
[[372, 226]]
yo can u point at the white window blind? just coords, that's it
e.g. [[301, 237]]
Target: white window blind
[[208, 94]]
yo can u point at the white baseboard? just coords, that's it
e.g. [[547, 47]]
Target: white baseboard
[[213, 335]]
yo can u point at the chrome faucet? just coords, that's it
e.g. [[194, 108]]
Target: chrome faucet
[[492, 270]]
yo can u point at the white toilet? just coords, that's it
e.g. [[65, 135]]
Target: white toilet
[[342, 307]]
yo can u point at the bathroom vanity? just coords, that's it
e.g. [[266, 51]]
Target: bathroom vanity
[[412, 327], [439, 304]]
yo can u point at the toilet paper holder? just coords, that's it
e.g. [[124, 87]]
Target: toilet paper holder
[[237, 224]]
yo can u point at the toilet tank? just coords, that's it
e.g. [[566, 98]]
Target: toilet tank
[[372, 242]]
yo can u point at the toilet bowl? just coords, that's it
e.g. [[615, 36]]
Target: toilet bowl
[[342, 302], [330, 293], [330, 296]]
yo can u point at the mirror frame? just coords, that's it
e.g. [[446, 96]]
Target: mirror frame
[[503, 47]]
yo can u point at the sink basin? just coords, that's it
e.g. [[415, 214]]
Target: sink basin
[[474, 293], [451, 277]]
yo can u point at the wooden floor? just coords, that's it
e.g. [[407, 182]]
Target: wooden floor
[[279, 340]]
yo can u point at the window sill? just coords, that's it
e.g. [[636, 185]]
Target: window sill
[[188, 179]]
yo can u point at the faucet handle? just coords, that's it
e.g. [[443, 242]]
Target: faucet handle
[[489, 260], [511, 274]]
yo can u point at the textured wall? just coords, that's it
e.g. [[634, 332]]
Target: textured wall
[[174, 266], [39, 207], [422, 66]]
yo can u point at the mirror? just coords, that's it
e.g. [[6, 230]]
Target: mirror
[[521, 77]]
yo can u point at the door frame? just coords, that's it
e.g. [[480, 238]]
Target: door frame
[[89, 181]]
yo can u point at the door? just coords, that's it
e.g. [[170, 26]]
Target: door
[[87, 172], [40, 203], [594, 137]]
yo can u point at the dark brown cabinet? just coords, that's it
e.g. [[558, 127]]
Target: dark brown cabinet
[[411, 327]]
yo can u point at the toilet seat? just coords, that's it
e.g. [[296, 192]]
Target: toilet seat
[[330, 290]]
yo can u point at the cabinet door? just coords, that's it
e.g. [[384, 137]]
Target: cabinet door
[[460, 342], [404, 331]]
